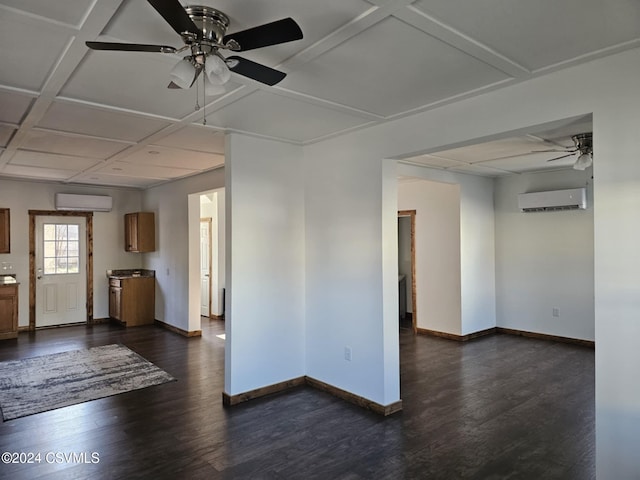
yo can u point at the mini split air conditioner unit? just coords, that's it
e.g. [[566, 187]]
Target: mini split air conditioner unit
[[571, 199], [86, 203]]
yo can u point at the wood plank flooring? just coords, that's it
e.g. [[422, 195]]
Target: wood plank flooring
[[499, 407]]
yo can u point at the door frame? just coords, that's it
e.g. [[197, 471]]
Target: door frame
[[32, 260], [414, 314], [209, 221]]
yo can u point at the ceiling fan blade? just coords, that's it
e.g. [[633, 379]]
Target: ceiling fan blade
[[255, 71], [175, 15], [555, 150], [280, 31], [562, 156], [130, 47]]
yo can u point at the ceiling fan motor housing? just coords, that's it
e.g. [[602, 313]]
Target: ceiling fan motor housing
[[213, 23], [584, 142]]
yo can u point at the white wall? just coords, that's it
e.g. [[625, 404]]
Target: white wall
[[476, 249], [265, 322], [176, 282], [438, 293], [606, 88], [108, 235], [349, 246], [544, 260], [477, 254], [219, 252]]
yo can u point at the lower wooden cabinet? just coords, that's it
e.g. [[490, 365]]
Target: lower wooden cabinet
[[8, 311], [132, 300]]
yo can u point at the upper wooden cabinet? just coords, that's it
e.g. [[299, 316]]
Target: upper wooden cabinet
[[5, 237], [139, 232]]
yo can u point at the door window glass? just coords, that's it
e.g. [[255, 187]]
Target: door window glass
[[61, 248]]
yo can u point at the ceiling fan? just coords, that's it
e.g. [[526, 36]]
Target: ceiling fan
[[583, 147], [204, 33]]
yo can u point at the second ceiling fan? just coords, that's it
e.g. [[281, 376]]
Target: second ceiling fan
[[583, 148], [204, 33]]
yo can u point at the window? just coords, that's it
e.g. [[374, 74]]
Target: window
[[61, 248]]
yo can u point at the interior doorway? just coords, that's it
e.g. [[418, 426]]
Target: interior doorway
[[206, 205], [205, 267], [408, 315]]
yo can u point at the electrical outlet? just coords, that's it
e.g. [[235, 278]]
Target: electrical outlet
[[555, 312], [347, 354]]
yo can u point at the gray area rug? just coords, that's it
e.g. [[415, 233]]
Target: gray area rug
[[39, 384]]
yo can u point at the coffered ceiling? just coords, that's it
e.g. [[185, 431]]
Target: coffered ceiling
[[107, 118]]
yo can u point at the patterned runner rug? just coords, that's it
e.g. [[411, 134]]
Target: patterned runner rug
[[39, 384]]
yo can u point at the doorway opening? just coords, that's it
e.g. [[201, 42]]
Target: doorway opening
[[206, 205], [408, 314], [205, 267], [60, 268]]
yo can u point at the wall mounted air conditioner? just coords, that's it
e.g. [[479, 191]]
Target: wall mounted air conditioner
[[87, 203], [571, 199]]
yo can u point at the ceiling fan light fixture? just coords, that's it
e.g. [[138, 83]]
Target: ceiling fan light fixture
[[212, 89], [217, 71], [583, 162], [183, 73]]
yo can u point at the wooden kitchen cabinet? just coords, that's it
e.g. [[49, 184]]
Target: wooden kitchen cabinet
[[8, 311], [115, 302], [132, 300], [139, 232], [5, 232]]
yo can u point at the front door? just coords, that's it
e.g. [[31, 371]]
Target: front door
[[61, 273]]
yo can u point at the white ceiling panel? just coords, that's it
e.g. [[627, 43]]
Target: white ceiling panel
[[479, 170], [67, 144], [544, 32], [423, 71], [95, 178], [5, 134], [512, 155], [131, 80], [524, 163], [281, 117], [493, 150], [88, 120], [71, 12], [166, 157], [139, 22], [147, 171], [47, 160], [13, 106], [194, 137], [36, 173], [25, 63], [434, 161]]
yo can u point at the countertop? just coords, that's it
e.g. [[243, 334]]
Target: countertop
[[131, 273]]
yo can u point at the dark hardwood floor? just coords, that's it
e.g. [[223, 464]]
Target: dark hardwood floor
[[498, 407]]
